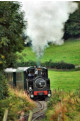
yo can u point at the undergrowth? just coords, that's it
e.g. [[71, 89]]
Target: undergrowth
[[17, 102], [64, 106]]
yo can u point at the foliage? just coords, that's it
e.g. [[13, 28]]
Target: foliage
[[16, 103], [2, 62], [72, 26], [65, 104], [11, 28], [3, 86]]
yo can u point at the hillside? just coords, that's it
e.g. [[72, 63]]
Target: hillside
[[68, 52]]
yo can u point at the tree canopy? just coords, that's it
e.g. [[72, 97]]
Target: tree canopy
[[11, 28], [72, 26]]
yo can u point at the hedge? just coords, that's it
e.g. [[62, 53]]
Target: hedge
[[49, 64]]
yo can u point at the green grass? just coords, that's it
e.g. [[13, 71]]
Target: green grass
[[26, 55], [68, 52], [67, 80]]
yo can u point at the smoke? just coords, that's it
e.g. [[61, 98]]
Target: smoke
[[46, 21]]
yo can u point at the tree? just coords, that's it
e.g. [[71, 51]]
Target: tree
[[72, 26], [11, 28]]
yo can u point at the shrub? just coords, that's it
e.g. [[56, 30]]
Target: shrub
[[3, 86]]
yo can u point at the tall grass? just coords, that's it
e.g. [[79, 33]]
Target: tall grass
[[64, 106], [17, 103], [21, 94]]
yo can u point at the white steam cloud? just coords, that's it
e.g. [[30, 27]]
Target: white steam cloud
[[46, 21]]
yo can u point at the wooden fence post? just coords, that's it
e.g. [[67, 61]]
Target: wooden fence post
[[5, 115], [59, 117], [30, 116]]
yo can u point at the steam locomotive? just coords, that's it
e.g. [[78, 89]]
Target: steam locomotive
[[32, 79], [38, 83]]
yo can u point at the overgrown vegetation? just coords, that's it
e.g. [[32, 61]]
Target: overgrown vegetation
[[17, 102], [64, 106]]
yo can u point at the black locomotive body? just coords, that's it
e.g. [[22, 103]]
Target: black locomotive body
[[38, 83], [32, 79]]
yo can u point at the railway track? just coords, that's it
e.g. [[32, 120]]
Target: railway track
[[42, 106], [39, 112]]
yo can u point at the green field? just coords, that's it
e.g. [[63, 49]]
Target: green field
[[67, 80], [68, 52]]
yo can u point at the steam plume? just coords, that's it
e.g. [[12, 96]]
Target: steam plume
[[46, 21]]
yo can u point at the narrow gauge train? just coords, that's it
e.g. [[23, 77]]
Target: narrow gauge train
[[34, 80]]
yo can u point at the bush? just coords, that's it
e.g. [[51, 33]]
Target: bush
[[3, 86], [49, 64]]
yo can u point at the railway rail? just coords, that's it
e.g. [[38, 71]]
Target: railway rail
[[39, 112]]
